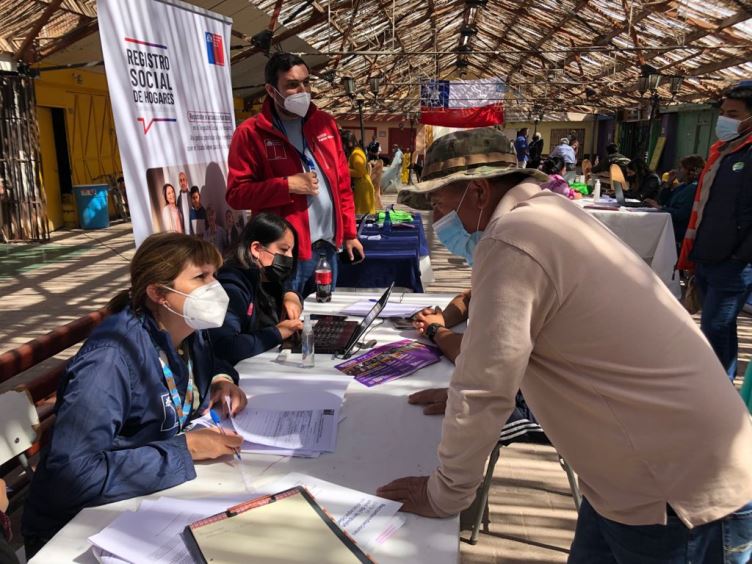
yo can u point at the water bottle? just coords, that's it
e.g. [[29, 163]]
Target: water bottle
[[307, 343], [387, 229], [323, 277], [597, 191]]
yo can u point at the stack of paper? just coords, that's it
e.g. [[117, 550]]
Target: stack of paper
[[153, 533], [300, 419], [392, 309]]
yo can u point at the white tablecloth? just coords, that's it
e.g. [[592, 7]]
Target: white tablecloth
[[381, 438], [650, 235]]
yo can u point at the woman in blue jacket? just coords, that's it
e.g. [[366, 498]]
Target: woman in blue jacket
[[128, 394], [263, 310]]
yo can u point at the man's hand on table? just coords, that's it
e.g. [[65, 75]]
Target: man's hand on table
[[291, 305], [350, 246], [426, 317], [434, 400], [412, 492]]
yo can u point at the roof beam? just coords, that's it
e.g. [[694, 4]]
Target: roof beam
[[315, 19], [36, 28], [79, 32], [690, 38], [546, 36], [722, 64]]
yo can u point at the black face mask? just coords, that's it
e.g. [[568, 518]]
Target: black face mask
[[280, 269]]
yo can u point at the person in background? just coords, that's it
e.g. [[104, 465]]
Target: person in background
[[376, 171], [197, 213], [418, 167], [127, 396], [122, 190], [184, 203], [263, 310], [677, 199], [171, 220], [289, 160], [566, 153], [391, 180], [555, 168], [718, 241], [363, 192], [232, 231], [521, 148], [374, 148], [536, 150], [406, 167], [613, 156], [214, 232], [7, 556], [647, 495], [644, 184]]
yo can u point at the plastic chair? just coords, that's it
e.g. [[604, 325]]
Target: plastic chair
[[514, 432], [19, 423]]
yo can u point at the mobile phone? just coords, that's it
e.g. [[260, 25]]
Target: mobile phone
[[402, 322], [327, 316]]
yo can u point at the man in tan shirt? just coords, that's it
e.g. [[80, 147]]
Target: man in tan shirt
[[654, 429]]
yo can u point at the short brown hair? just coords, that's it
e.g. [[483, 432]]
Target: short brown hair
[[159, 260]]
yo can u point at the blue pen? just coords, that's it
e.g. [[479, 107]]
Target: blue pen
[[218, 422]]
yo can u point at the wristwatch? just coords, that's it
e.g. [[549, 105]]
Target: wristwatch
[[431, 331]]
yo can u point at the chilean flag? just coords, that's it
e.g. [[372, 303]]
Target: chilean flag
[[462, 103]]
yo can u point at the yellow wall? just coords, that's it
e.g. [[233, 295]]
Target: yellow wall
[[92, 144]]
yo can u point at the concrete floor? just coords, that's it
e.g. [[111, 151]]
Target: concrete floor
[[532, 513]]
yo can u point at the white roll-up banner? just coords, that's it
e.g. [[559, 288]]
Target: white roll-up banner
[[168, 72]]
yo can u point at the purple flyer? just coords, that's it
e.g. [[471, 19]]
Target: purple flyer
[[390, 361]]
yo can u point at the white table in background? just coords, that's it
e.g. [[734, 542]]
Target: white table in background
[[649, 234], [381, 438]]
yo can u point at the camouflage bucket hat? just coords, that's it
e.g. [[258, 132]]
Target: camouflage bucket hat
[[468, 155]]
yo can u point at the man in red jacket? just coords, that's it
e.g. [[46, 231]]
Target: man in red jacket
[[288, 160]]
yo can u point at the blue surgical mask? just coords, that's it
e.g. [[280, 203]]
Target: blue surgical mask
[[454, 237], [727, 128]]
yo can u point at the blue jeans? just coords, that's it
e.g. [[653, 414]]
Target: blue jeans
[[598, 540], [724, 289], [303, 282]]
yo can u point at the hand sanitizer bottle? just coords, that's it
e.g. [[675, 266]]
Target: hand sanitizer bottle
[[307, 343]]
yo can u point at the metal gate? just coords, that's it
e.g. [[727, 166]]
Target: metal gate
[[23, 209]]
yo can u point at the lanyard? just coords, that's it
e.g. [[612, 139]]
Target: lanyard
[[308, 163], [185, 409]]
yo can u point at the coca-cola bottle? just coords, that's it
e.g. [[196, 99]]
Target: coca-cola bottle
[[323, 278]]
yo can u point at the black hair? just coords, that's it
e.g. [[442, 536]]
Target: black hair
[[195, 190], [265, 228], [612, 148], [164, 191], [281, 62], [553, 165], [120, 179], [741, 92], [641, 169]]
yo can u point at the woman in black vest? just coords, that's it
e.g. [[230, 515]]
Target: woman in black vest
[[263, 310]]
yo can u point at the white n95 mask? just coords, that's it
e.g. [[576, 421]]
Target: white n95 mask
[[205, 307], [297, 103]]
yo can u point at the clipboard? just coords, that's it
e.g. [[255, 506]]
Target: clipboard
[[286, 527]]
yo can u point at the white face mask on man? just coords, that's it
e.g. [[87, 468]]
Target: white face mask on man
[[205, 307], [297, 103]]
